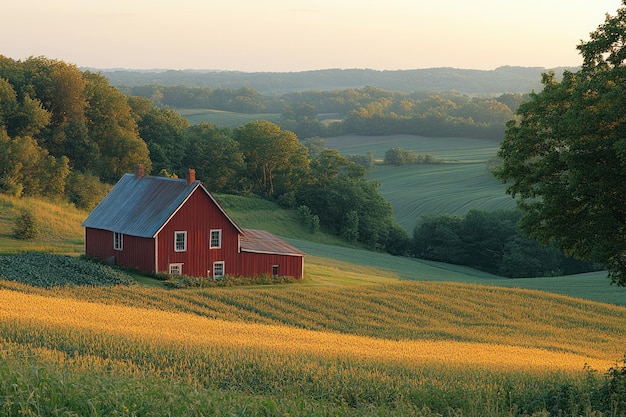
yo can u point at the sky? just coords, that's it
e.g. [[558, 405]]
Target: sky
[[300, 35]]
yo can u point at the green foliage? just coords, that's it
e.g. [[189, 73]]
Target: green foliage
[[183, 281], [350, 226], [216, 156], [491, 242], [48, 270], [26, 227], [275, 161], [55, 119], [309, 220], [27, 168], [85, 191], [564, 157], [401, 156]]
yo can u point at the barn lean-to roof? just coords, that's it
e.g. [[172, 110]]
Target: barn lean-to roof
[[142, 205], [261, 241]]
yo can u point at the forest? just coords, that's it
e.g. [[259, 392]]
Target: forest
[[67, 134], [466, 81], [368, 110]]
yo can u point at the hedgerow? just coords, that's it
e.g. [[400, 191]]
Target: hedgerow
[[49, 270]]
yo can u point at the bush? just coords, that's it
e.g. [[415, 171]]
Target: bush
[[308, 219], [26, 227], [184, 281]]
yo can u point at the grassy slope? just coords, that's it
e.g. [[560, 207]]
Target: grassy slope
[[329, 261], [464, 337], [461, 184], [224, 118], [58, 224]]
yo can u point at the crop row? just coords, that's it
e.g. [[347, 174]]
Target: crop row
[[279, 361], [48, 270]]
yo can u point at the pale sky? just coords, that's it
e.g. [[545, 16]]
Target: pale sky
[[299, 35]]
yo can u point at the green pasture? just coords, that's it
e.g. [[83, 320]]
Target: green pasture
[[594, 286], [224, 118], [461, 183]]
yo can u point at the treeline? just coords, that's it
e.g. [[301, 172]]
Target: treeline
[[475, 82], [67, 134], [366, 111], [490, 242]]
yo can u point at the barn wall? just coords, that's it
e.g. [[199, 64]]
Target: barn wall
[[197, 217], [252, 264], [136, 252]]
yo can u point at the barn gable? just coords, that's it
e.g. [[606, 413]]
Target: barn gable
[[141, 205]]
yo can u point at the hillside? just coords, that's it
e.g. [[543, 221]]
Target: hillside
[[329, 261], [504, 79], [364, 334], [398, 349]]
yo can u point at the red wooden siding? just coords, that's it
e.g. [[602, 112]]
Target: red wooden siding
[[136, 252], [252, 264], [197, 216]]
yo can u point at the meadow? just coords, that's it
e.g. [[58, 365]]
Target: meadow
[[224, 118], [463, 182]]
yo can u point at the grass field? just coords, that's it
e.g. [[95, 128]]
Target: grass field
[[224, 118], [462, 183], [363, 334]]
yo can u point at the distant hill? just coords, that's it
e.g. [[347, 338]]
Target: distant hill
[[506, 79]]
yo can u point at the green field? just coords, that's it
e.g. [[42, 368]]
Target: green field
[[224, 118], [461, 183]]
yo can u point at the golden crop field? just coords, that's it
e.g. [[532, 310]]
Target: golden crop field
[[189, 330], [382, 349]]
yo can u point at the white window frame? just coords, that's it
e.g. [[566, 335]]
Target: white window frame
[[175, 269], [184, 248], [118, 241], [219, 239], [217, 266]]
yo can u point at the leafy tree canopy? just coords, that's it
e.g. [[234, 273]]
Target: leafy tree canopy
[[565, 155]]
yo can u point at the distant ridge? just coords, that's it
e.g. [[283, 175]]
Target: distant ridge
[[506, 79]]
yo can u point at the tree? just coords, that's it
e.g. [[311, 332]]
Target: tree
[[565, 155], [26, 227], [275, 159], [215, 155], [163, 131], [113, 129]]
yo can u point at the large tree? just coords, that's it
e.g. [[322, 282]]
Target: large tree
[[275, 160], [565, 155]]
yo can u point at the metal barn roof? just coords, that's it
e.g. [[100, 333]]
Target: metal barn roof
[[261, 241], [142, 205]]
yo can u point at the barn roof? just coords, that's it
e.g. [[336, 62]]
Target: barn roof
[[142, 205], [261, 241]]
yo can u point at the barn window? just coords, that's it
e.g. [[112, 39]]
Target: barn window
[[118, 241], [180, 241], [216, 239], [275, 270], [176, 269], [218, 269]]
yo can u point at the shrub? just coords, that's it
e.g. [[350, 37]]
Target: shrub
[[184, 281], [26, 227]]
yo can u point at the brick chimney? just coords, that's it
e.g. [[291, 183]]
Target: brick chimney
[[139, 170], [191, 176]]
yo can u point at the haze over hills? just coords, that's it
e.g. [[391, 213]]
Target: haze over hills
[[506, 79]]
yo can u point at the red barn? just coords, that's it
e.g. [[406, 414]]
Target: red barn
[[176, 226]]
